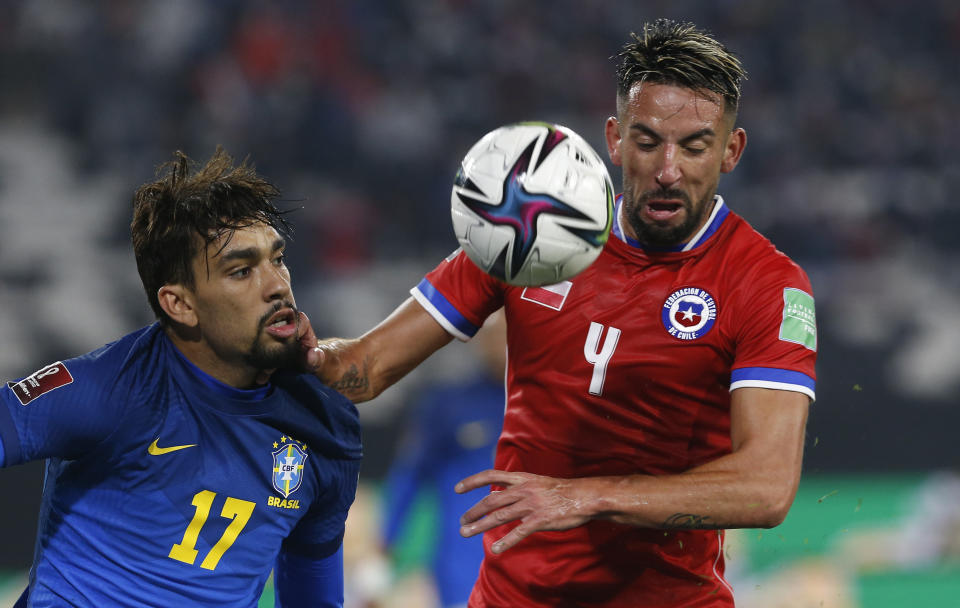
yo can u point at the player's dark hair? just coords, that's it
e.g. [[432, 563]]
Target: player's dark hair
[[669, 52], [186, 202]]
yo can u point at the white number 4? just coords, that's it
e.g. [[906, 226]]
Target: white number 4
[[599, 358]]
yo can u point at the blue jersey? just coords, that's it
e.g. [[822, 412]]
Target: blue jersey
[[454, 434], [165, 487]]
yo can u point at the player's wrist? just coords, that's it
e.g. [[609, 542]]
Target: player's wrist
[[598, 498], [617, 499]]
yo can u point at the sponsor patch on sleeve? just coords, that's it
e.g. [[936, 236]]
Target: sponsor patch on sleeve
[[41, 381], [799, 323]]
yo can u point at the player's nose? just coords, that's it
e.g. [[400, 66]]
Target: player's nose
[[668, 169], [276, 284]]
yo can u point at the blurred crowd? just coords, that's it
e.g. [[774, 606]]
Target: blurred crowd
[[360, 111]]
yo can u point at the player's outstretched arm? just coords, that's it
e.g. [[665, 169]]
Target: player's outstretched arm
[[307, 582], [753, 487], [361, 368]]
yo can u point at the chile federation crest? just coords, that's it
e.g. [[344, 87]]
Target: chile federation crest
[[689, 313], [288, 468]]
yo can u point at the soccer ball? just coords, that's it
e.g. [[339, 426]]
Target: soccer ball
[[532, 204]]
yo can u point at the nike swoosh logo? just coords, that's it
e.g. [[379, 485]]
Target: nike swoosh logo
[[154, 450]]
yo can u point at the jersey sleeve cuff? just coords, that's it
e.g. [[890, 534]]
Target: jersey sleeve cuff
[[440, 308], [773, 378], [315, 550]]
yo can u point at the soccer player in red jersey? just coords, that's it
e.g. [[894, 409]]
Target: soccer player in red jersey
[[653, 400]]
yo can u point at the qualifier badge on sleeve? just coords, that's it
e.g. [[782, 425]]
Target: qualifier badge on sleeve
[[42, 381], [799, 323]]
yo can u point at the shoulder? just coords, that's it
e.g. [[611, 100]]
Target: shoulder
[[76, 403], [91, 374], [126, 351], [750, 256], [121, 368]]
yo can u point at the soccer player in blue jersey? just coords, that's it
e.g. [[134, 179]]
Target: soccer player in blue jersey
[[175, 475]]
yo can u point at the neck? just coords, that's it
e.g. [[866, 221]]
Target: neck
[[198, 351]]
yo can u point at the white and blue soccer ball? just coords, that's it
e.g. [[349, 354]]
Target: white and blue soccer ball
[[532, 204]]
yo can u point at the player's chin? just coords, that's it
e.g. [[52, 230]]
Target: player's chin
[[276, 353], [666, 233]]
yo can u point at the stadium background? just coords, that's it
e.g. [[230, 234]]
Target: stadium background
[[361, 111]]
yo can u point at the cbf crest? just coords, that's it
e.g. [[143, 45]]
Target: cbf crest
[[689, 313], [288, 462]]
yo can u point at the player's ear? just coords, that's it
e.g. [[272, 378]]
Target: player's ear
[[177, 302], [736, 142], [612, 133]]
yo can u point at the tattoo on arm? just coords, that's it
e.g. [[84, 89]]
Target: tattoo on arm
[[690, 521], [353, 381]]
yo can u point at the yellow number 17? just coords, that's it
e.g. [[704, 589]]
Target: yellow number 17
[[234, 508]]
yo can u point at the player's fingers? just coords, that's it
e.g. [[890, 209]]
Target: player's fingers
[[325, 354], [494, 519], [513, 537], [306, 336], [488, 477], [315, 358], [488, 504]]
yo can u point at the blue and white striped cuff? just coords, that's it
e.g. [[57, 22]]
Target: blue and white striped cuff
[[774, 378], [443, 311]]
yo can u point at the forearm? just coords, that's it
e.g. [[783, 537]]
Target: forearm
[[346, 368], [720, 494], [304, 582], [361, 368], [752, 486], [717, 495]]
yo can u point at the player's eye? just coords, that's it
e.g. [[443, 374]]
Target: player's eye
[[240, 273], [280, 260]]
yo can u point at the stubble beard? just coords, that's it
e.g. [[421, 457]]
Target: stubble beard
[[266, 356], [654, 235]]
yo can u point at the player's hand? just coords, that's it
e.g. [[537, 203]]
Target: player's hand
[[305, 335], [312, 355], [329, 360], [540, 503], [323, 360]]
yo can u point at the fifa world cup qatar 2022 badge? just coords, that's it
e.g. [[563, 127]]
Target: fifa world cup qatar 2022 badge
[[688, 313], [288, 461], [41, 381]]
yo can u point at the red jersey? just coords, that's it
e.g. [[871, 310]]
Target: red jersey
[[627, 369]]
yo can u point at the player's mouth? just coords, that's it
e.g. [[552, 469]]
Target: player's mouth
[[661, 210], [282, 324]]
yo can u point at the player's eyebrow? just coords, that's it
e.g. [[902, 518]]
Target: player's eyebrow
[[704, 133], [639, 126], [249, 253]]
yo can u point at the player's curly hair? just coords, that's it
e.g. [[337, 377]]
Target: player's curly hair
[[670, 52], [186, 202]]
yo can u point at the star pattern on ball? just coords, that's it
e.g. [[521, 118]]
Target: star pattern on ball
[[519, 209]]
